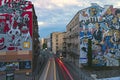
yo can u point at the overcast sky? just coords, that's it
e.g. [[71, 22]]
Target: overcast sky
[[54, 15]]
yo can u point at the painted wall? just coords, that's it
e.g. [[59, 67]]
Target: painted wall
[[15, 65], [102, 25], [15, 25]]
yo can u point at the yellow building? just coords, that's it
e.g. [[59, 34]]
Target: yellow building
[[57, 42]]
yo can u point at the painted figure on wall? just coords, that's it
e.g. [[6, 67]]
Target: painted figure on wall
[[19, 24], [105, 32]]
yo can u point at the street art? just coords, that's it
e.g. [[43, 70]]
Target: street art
[[102, 26], [15, 25], [17, 65]]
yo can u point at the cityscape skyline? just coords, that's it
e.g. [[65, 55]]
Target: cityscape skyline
[[49, 13]]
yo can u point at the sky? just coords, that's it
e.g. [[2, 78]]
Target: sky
[[54, 15]]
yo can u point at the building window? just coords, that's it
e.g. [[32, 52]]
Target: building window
[[56, 47], [70, 29], [57, 40]]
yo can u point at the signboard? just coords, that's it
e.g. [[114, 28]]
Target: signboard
[[16, 25]]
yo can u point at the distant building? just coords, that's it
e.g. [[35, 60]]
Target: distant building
[[57, 42], [48, 43], [102, 26]]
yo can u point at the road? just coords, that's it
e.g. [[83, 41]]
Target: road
[[64, 73], [49, 72], [59, 69], [56, 69]]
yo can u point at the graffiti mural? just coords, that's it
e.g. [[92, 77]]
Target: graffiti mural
[[16, 25], [102, 25]]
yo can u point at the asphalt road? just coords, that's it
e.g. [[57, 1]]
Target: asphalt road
[[49, 72], [64, 73]]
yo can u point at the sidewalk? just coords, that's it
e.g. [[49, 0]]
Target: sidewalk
[[18, 76]]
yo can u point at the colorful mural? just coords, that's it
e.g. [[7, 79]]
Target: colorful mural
[[102, 25], [15, 25]]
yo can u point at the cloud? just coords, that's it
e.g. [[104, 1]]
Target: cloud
[[41, 23], [58, 13]]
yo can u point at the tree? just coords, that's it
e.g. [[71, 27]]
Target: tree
[[89, 54], [44, 45]]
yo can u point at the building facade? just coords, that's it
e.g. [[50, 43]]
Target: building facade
[[72, 39], [57, 42], [16, 49], [64, 49], [36, 43], [102, 26]]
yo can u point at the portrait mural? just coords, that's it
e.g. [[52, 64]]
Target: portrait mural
[[16, 25], [102, 26]]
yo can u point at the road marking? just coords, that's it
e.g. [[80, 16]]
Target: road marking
[[54, 71], [47, 71]]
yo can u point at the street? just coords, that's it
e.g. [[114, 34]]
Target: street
[[56, 69]]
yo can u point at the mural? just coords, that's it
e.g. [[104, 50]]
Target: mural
[[102, 25], [15, 25], [15, 65]]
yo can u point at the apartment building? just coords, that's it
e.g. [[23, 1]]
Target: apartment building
[[35, 40], [102, 26], [72, 39], [64, 45], [18, 36], [57, 42]]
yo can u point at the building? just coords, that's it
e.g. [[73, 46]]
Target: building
[[72, 39], [57, 42], [102, 26], [36, 42], [48, 44], [64, 50], [18, 36]]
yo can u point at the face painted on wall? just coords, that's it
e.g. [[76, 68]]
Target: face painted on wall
[[108, 12], [117, 35], [117, 13], [97, 25], [114, 20], [93, 11], [84, 14]]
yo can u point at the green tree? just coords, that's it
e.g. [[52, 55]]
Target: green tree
[[89, 54], [44, 45]]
